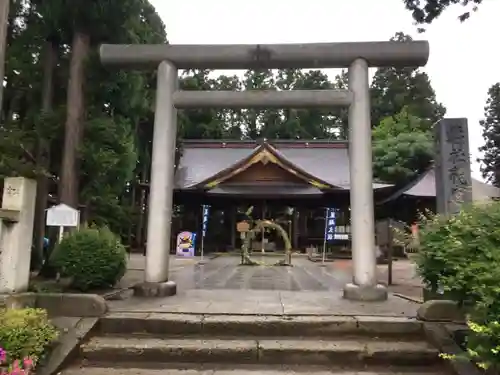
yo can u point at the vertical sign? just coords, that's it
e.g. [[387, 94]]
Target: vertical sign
[[330, 225], [329, 230], [205, 219], [204, 225], [453, 172]]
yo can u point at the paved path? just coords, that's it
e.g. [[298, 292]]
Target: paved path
[[222, 287]]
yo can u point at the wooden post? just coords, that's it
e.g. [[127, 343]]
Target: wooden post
[[233, 226], [390, 249]]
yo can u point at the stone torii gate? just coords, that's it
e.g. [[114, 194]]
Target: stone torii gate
[[357, 57]]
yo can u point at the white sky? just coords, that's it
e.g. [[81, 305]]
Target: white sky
[[463, 64]]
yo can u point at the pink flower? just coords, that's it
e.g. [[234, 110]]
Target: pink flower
[[16, 368], [28, 363]]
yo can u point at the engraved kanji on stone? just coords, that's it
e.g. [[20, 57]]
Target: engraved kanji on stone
[[457, 155], [12, 191], [455, 134]]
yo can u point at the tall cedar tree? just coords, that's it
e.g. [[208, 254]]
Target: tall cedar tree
[[490, 167], [393, 89]]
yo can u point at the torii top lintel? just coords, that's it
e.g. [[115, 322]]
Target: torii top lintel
[[267, 56]]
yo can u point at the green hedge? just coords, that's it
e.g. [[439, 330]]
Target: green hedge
[[93, 258], [461, 256], [25, 333]]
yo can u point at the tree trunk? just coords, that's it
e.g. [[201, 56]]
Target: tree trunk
[[69, 184], [133, 211], [43, 153], [139, 235]]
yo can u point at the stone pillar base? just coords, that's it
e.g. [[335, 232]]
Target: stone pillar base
[[165, 289], [374, 293]]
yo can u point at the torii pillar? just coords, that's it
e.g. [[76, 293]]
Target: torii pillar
[[357, 57]]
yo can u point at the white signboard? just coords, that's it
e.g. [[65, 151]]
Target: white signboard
[[63, 215]]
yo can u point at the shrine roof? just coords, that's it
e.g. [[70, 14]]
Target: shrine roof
[[425, 186], [322, 160]]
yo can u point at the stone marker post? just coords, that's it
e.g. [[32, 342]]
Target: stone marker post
[[453, 172], [16, 232]]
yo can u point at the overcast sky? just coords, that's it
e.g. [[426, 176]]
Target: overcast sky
[[463, 64]]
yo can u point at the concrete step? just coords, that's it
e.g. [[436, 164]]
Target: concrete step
[[267, 370], [159, 324], [312, 351]]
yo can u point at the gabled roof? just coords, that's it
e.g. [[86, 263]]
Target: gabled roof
[[264, 153], [326, 163], [425, 186]]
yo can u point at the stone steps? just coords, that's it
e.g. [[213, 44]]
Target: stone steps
[[263, 351], [136, 343], [260, 326], [303, 370]]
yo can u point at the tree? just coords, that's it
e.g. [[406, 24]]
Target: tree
[[426, 11], [91, 23], [318, 123], [392, 89], [402, 148], [118, 105], [199, 123], [252, 119], [490, 166]]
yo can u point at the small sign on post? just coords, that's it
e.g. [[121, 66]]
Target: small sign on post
[[204, 224], [330, 224], [242, 227], [62, 216]]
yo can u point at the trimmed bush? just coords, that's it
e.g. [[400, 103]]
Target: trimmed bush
[[93, 258], [25, 333], [461, 255]]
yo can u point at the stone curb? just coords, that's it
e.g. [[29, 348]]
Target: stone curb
[[440, 311], [67, 347], [241, 325], [300, 351], [441, 337], [60, 304]]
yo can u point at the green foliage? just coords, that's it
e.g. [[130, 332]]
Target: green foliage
[[461, 255], [25, 333], [402, 147], [483, 344], [491, 135], [393, 89], [426, 11], [457, 253], [92, 258], [109, 157]]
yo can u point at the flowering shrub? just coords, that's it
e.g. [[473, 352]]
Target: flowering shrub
[[16, 368], [25, 335]]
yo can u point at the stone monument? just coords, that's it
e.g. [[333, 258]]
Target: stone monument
[[453, 171], [16, 232], [357, 57]]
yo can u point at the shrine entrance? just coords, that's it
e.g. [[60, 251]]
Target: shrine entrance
[[357, 57]]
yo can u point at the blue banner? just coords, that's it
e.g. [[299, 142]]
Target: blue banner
[[330, 224], [206, 209]]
